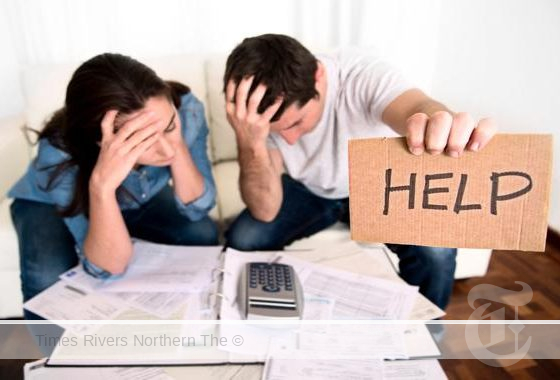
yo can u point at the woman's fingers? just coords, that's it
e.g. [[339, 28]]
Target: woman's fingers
[[137, 137], [107, 124], [143, 146], [131, 126]]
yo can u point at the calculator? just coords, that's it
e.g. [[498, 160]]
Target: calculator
[[270, 291]]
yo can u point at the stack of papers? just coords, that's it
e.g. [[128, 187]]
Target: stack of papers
[[341, 283], [161, 282]]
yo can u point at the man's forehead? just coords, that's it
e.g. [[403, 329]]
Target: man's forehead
[[291, 115]]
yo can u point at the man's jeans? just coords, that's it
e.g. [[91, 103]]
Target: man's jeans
[[47, 248], [302, 214]]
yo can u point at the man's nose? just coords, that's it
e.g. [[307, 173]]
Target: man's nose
[[291, 135]]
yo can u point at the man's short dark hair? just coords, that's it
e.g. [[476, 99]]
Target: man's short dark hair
[[281, 63]]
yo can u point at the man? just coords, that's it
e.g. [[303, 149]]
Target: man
[[293, 114]]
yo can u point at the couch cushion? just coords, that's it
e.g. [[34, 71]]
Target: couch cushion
[[221, 133], [227, 184], [14, 153]]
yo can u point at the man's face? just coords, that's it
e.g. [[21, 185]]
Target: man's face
[[297, 121]]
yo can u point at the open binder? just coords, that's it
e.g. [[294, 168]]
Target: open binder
[[223, 278]]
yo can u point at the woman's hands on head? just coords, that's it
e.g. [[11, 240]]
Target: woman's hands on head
[[120, 149]]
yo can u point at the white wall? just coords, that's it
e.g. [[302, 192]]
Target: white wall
[[498, 58], [52, 31], [501, 58]]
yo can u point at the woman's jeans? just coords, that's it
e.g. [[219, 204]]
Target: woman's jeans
[[47, 248], [302, 214]]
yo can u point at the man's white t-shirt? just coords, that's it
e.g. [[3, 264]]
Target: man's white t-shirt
[[359, 87]]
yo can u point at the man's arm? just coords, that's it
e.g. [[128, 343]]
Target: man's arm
[[430, 126], [260, 167], [260, 181]]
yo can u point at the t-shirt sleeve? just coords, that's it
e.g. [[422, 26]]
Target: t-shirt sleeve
[[372, 83]]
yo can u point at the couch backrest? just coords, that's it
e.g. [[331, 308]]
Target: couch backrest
[[44, 88]]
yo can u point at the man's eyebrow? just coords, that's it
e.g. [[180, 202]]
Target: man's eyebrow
[[294, 123]]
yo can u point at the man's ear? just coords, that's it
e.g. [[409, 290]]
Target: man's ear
[[320, 72]]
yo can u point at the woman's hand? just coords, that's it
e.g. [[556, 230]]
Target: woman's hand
[[121, 149]]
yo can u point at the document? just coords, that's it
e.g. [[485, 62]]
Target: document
[[63, 302], [413, 370], [286, 363], [37, 371], [354, 341], [355, 296], [326, 369], [160, 304], [156, 268]]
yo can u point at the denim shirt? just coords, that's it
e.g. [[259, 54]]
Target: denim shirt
[[140, 185]]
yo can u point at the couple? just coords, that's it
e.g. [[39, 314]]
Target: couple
[[105, 160]]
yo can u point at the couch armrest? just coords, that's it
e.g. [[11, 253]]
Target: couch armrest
[[14, 152]]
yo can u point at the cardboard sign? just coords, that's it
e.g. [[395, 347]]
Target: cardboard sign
[[496, 198]]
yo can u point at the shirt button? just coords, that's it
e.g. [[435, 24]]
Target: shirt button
[[143, 195]]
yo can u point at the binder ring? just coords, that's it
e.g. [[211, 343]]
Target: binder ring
[[216, 272]]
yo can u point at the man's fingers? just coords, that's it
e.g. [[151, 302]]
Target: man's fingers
[[482, 134], [255, 99], [241, 95], [415, 129], [437, 132], [230, 97], [461, 129], [107, 124], [269, 113]]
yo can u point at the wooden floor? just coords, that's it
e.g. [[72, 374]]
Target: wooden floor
[[540, 270]]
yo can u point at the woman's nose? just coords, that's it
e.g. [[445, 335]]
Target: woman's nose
[[165, 148]]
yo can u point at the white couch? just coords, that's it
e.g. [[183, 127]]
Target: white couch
[[44, 89]]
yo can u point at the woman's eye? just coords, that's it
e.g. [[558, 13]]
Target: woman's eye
[[170, 128]]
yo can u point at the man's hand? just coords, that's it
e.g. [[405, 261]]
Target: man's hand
[[444, 131], [251, 128], [429, 125]]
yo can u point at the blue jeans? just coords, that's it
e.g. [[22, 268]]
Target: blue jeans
[[302, 214], [46, 246]]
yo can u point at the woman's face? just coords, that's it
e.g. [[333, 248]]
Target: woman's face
[[168, 123]]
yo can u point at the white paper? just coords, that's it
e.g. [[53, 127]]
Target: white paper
[[360, 341], [413, 370], [156, 268], [37, 371], [284, 362], [160, 304], [63, 302], [356, 296], [419, 342]]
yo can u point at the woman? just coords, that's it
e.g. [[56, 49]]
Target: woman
[[102, 174]]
